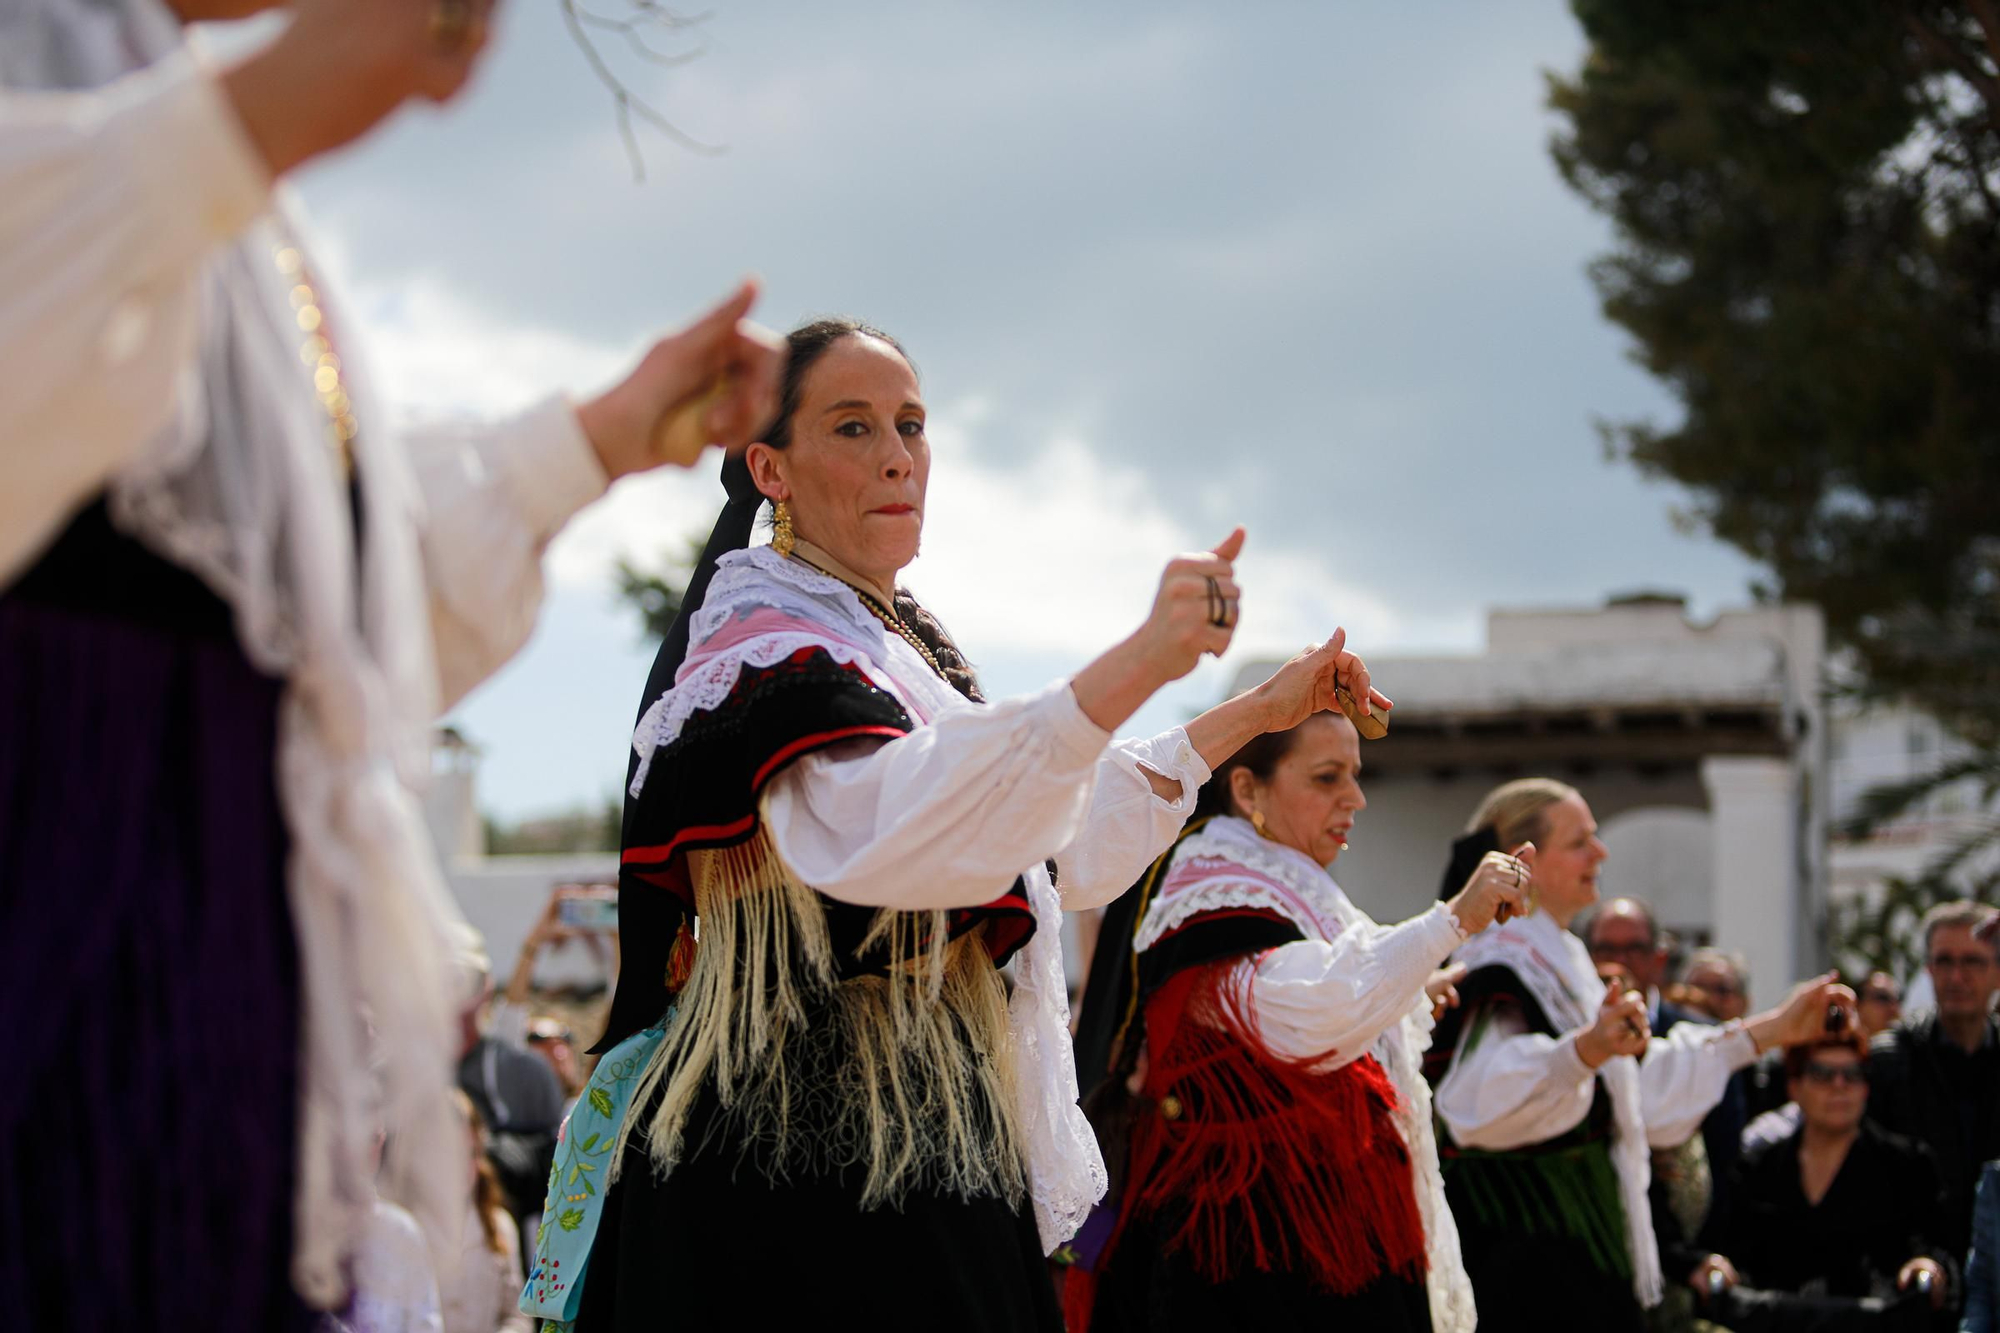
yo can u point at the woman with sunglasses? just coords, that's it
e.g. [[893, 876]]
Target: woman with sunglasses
[[1838, 1207]]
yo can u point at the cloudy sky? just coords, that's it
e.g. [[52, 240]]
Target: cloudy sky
[[1163, 268]]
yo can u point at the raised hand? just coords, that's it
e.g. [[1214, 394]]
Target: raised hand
[[714, 382], [342, 66], [1620, 1029], [1194, 612], [1496, 890], [1802, 1017], [1309, 682]]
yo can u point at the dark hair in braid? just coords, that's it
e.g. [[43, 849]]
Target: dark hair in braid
[[808, 343], [928, 628]]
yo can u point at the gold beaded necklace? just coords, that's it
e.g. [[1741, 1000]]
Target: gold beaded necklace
[[886, 615], [318, 355]]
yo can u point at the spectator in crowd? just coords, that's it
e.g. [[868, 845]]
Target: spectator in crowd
[[516, 1094], [1839, 1207], [1935, 1077], [1625, 932], [1717, 983], [485, 1286], [551, 1039], [1982, 1262], [1881, 1004]]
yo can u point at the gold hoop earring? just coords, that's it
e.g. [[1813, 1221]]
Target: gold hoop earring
[[782, 537], [1257, 822]]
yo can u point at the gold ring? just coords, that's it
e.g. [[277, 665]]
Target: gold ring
[[451, 24]]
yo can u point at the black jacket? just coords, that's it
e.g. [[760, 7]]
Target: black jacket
[[1881, 1211], [1924, 1086]]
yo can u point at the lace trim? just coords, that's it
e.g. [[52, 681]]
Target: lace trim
[[1327, 910], [706, 688]]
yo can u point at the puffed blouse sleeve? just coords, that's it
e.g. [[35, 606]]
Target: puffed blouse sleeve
[[110, 199], [1128, 824], [1684, 1074], [1333, 998], [948, 815], [1508, 1087], [494, 496]]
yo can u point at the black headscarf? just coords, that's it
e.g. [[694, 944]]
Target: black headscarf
[[1466, 854], [648, 919]]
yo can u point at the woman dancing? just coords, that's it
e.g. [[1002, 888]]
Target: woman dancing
[[1278, 1169], [849, 1114], [1551, 1087]]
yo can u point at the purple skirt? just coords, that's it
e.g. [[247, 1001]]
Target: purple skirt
[[147, 970]]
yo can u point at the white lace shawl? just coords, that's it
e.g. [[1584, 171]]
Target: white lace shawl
[[1291, 884], [1066, 1175], [1555, 967]]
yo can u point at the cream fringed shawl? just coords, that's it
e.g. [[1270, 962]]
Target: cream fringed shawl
[[923, 1073]]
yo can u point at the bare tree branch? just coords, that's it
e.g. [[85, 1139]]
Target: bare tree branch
[[625, 103]]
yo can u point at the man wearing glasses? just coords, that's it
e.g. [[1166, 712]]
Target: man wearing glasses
[[1935, 1076]]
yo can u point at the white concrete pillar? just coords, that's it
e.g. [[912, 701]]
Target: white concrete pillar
[[1754, 814]]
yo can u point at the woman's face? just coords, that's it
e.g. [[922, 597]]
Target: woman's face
[[1832, 1092], [1566, 860], [858, 465], [1314, 793]]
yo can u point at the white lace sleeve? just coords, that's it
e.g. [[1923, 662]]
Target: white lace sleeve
[[494, 497], [1128, 824], [112, 199]]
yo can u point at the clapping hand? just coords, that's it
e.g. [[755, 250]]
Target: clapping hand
[[1496, 890]]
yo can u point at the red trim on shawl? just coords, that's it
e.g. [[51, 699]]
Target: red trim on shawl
[[804, 743]]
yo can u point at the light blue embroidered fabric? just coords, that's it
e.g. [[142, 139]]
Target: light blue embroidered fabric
[[575, 1202]]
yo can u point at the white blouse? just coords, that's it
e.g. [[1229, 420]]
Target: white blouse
[[1333, 998], [125, 210], [113, 198], [950, 814], [1516, 1087]]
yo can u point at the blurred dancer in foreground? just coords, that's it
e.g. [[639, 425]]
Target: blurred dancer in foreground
[[231, 602]]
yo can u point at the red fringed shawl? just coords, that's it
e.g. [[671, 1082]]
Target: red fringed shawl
[[1260, 1162]]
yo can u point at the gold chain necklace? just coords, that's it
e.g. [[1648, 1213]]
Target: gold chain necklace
[[882, 613]]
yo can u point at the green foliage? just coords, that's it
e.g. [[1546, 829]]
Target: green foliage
[[655, 591], [1809, 258], [582, 830]]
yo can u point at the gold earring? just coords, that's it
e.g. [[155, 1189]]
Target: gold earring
[[1257, 822], [782, 537]]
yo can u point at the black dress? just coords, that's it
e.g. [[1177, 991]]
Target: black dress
[[147, 961], [1883, 1209], [728, 1239]]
